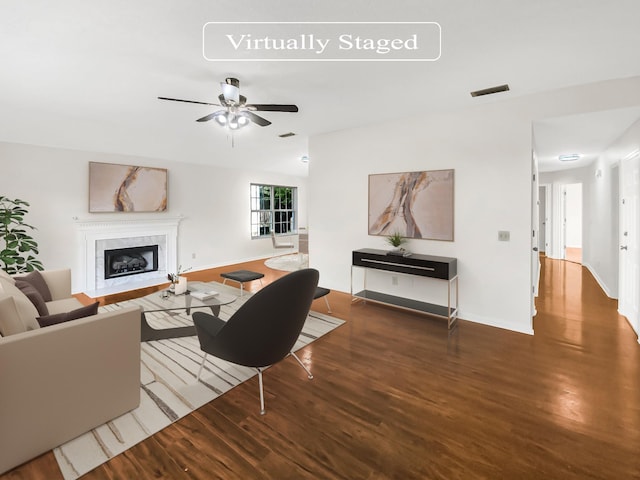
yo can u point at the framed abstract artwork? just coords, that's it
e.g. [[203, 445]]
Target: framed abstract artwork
[[414, 204], [126, 188]]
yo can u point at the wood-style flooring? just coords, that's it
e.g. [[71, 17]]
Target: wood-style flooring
[[396, 396], [573, 254]]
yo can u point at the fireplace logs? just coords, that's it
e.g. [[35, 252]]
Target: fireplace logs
[[130, 261]]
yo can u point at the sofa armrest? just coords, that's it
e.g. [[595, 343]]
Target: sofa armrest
[[61, 381], [59, 282]]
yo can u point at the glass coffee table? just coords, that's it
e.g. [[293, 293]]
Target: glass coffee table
[[165, 301]]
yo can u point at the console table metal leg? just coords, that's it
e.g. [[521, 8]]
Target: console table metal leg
[[452, 312]]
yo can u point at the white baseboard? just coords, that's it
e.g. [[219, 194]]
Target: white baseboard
[[603, 285], [491, 322]]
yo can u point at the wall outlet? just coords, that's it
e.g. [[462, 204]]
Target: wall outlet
[[504, 235], [394, 280], [193, 256]]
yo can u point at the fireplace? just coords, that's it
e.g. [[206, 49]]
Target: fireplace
[[120, 262], [96, 236]]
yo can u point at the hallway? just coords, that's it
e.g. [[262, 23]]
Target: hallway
[[592, 354]]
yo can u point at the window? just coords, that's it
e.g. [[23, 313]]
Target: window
[[273, 207]]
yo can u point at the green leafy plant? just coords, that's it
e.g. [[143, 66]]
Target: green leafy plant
[[396, 239], [17, 248]]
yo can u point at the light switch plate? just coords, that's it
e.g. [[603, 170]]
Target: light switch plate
[[504, 235]]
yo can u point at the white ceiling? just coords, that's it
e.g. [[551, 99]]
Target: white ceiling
[[587, 135], [85, 74]]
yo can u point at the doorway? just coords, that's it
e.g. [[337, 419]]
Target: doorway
[[572, 222]]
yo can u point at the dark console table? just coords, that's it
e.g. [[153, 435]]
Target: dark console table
[[442, 268]]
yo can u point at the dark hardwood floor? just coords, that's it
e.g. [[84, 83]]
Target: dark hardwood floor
[[396, 396]]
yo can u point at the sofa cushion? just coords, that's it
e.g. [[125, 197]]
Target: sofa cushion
[[27, 313], [10, 323], [56, 318], [5, 275], [36, 279], [63, 305], [33, 295]]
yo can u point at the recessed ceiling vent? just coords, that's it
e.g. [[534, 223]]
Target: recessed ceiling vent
[[285, 135], [490, 91]]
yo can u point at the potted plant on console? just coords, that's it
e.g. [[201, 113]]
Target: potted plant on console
[[16, 246], [396, 240]]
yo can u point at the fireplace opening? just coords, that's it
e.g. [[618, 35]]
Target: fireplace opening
[[120, 262]]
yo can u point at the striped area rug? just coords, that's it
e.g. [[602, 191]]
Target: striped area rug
[[169, 389]]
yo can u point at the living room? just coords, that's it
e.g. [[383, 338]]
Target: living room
[[46, 145]]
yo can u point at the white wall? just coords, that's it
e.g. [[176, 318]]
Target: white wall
[[605, 200], [214, 202], [492, 193], [489, 147]]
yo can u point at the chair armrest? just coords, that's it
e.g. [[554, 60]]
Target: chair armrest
[[59, 282]]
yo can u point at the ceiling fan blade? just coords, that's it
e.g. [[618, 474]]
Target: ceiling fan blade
[[206, 118], [187, 101], [262, 107], [258, 120]]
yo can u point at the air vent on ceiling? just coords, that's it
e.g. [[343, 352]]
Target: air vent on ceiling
[[490, 91], [285, 135]]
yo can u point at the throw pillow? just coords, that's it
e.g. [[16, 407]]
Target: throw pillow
[[33, 295], [10, 323], [36, 279], [27, 312], [86, 311]]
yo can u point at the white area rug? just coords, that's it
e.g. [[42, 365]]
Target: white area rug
[[288, 263], [169, 389]]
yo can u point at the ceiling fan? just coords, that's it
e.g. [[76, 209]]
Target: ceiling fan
[[236, 113]]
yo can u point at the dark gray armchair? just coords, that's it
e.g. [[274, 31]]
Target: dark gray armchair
[[263, 330]]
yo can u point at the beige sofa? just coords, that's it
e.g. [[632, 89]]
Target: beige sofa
[[60, 381]]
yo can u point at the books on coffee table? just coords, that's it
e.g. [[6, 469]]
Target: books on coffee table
[[203, 295]]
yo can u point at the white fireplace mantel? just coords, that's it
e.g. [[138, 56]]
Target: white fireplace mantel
[[90, 232]]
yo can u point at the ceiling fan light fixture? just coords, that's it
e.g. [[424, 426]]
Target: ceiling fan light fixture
[[236, 112], [231, 93], [221, 118]]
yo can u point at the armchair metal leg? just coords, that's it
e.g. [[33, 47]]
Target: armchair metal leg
[[262, 409], [328, 306], [204, 358], [309, 374]]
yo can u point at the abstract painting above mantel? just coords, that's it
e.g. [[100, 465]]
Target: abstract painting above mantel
[[126, 188], [415, 204]]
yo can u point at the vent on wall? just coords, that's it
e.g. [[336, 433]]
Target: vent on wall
[[491, 90]]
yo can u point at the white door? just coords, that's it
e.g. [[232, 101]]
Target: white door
[[629, 259], [535, 256], [543, 221]]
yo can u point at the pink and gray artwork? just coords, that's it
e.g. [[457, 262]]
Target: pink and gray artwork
[[126, 188], [414, 204]]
